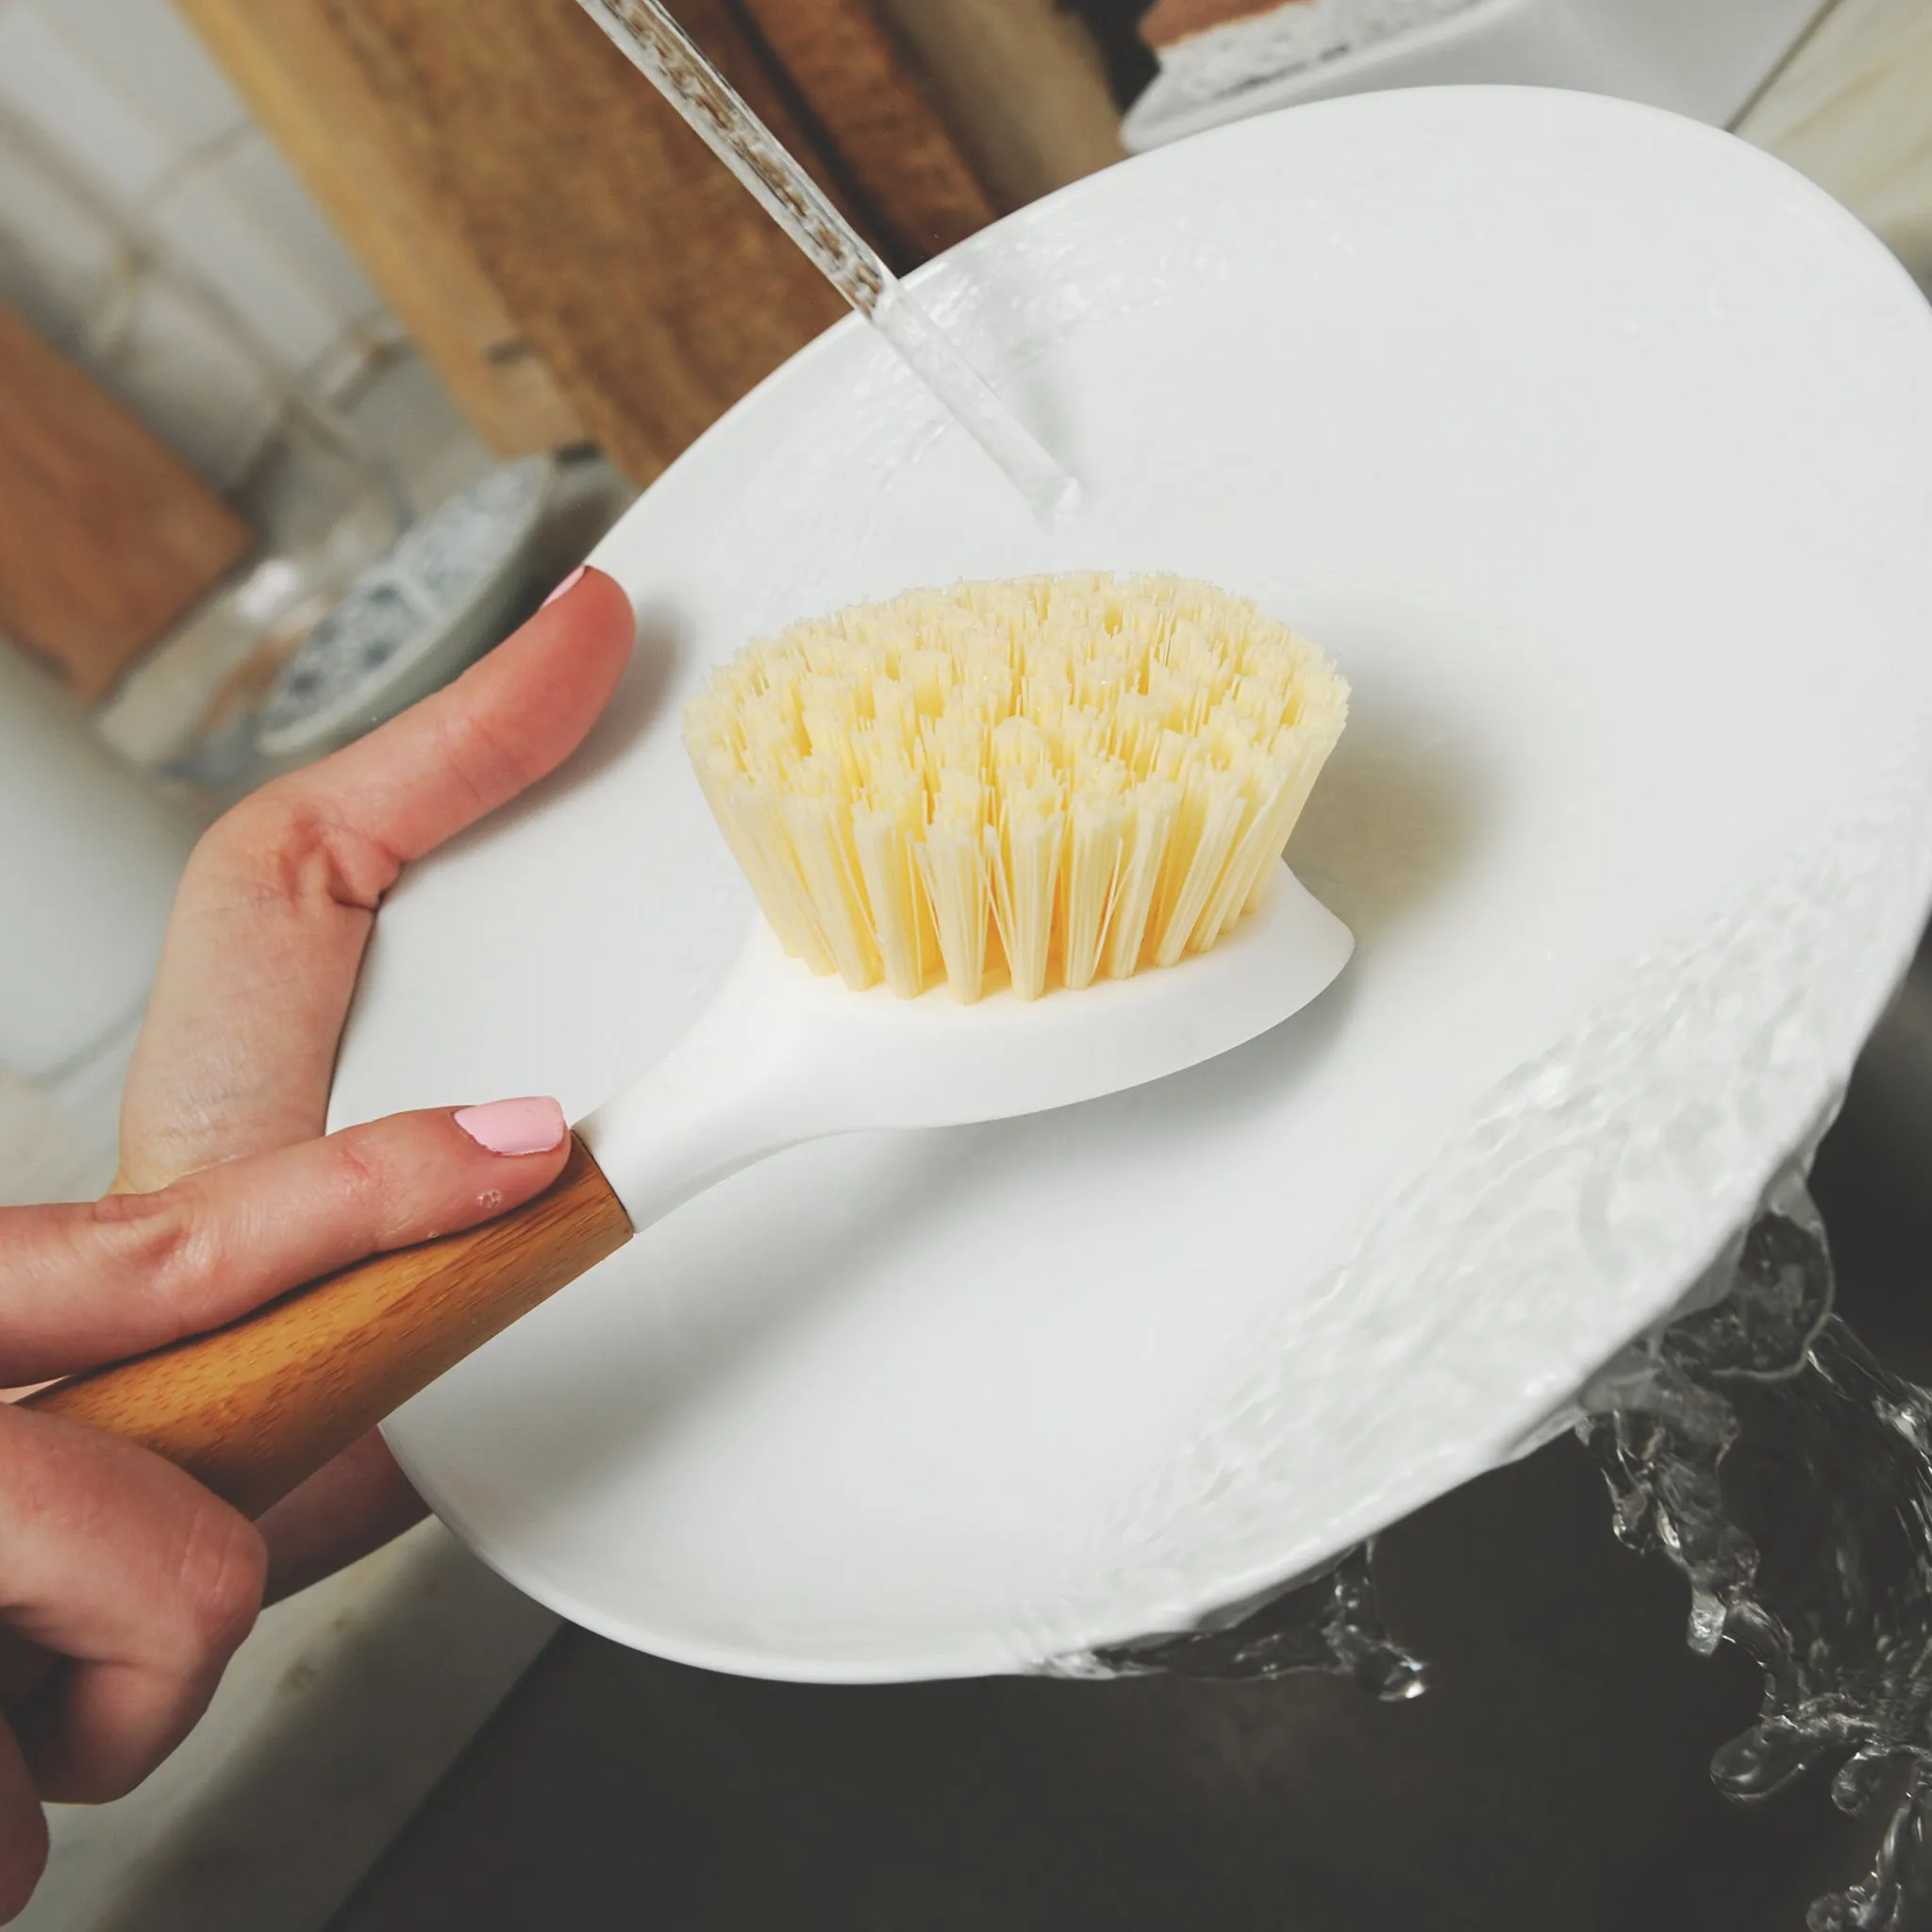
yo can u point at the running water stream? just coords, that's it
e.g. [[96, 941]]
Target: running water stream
[[645, 31], [1759, 1446]]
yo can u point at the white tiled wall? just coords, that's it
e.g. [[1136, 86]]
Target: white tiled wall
[[149, 228]]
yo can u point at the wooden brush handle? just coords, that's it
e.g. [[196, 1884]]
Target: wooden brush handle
[[253, 1408]]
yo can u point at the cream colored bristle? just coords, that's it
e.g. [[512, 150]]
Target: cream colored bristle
[[1034, 783]]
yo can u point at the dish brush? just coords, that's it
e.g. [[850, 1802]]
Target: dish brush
[[1034, 827], [1047, 781]]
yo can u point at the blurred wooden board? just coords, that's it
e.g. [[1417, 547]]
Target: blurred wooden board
[[292, 65], [637, 267], [106, 537], [567, 253], [872, 109]]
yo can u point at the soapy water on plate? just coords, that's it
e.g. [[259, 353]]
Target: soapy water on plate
[[1754, 1442]]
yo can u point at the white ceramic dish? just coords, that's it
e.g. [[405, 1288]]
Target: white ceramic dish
[[1597, 449]]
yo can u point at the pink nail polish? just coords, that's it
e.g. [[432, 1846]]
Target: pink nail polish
[[564, 589], [513, 1127]]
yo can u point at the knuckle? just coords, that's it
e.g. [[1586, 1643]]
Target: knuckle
[[253, 838], [361, 1161], [168, 1242], [219, 1577], [402, 1178], [488, 764], [289, 848], [366, 1180]]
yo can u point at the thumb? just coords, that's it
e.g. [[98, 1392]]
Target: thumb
[[93, 1283]]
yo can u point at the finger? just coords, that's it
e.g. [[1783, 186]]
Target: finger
[[23, 1829], [101, 1280], [269, 927], [348, 1508], [445, 762], [145, 1580]]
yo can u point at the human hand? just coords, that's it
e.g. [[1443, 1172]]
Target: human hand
[[267, 938], [116, 1560]]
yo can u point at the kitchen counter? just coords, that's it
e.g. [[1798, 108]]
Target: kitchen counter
[[1852, 109], [336, 1719], [351, 1701]]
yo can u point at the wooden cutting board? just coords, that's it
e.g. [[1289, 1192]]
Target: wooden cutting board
[[644, 277], [565, 250], [106, 537]]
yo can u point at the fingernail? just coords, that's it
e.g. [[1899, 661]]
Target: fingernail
[[564, 589], [513, 1127]]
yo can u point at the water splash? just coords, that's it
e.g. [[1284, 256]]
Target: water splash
[[1330, 1622], [1755, 1444], [1758, 1446]]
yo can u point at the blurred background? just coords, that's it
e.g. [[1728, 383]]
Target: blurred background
[[332, 332]]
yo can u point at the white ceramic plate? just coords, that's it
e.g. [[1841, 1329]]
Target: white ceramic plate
[[1597, 449]]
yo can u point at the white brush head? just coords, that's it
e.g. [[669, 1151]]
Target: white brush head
[[1034, 783]]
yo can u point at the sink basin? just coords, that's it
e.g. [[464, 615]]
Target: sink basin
[[1552, 1779]]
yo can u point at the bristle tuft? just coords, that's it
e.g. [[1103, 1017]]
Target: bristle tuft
[[1037, 782]]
